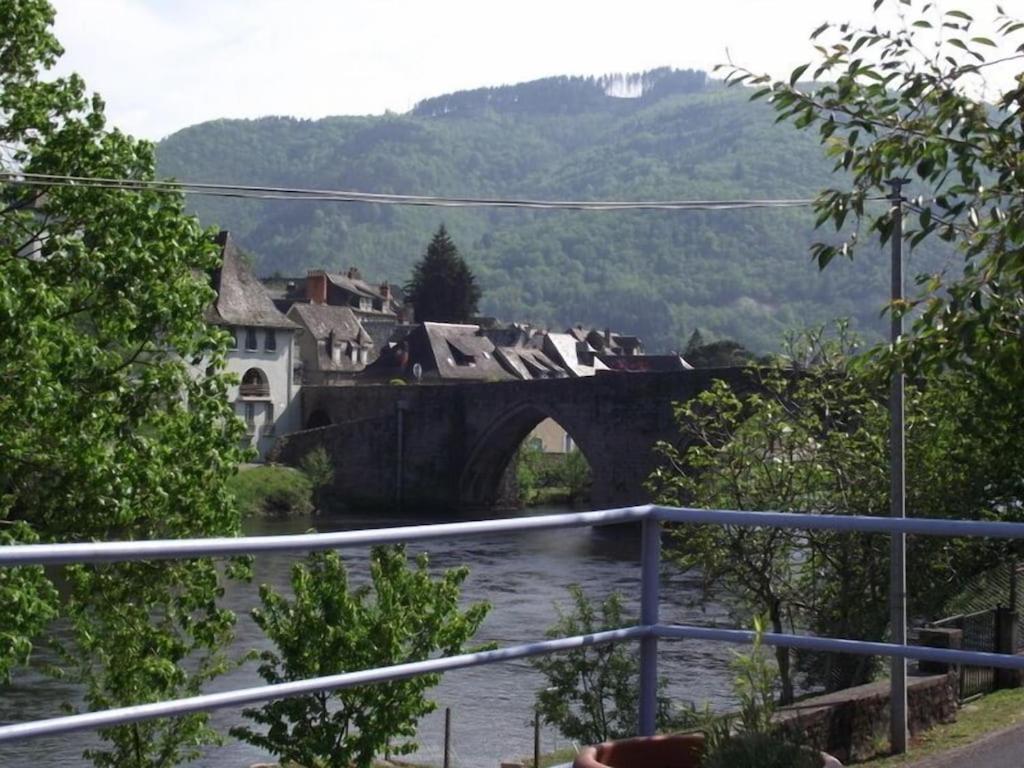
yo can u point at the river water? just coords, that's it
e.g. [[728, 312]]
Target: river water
[[523, 575]]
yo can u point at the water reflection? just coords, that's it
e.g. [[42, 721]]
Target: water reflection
[[523, 575]]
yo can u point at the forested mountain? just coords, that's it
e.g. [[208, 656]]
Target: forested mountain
[[658, 135]]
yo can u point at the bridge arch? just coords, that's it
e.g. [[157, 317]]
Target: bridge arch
[[481, 482]]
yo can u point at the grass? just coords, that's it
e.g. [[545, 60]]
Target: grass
[[271, 491], [988, 714]]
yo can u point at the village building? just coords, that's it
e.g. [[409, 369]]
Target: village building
[[262, 353], [576, 356], [331, 342], [439, 351], [645, 363], [607, 342], [377, 308]]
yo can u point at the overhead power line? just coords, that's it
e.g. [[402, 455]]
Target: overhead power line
[[47, 180]]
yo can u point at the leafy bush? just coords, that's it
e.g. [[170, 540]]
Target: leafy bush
[[761, 750], [751, 738], [592, 693], [329, 628], [272, 491]]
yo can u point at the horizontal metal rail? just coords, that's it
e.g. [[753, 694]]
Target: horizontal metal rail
[[211, 701], [922, 526], [99, 552], [169, 549], [839, 645]]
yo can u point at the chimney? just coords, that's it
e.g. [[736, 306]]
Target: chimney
[[316, 286], [608, 339], [407, 314], [353, 274], [385, 290]]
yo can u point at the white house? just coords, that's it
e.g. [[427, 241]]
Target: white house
[[263, 356]]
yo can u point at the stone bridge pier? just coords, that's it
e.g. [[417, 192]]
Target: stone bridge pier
[[448, 445]]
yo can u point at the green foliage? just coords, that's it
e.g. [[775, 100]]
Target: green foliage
[[528, 464], [114, 418], [592, 693], [575, 472], [812, 437], [761, 750], [739, 274], [545, 477], [329, 628], [272, 491], [319, 470], [442, 288], [903, 103], [716, 354], [751, 738]]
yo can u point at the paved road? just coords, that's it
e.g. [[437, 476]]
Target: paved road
[[1002, 749]]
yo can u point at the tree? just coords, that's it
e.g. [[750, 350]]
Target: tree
[[319, 469], [903, 103], [592, 693], [793, 444], [329, 628], [442, 288], [114, 419], [810, 437]]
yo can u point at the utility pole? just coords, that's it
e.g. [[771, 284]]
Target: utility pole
[[897, 489]]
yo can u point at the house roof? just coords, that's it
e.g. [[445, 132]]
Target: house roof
[[562, 348], [323, 319], [645, 363], [359, 287], [459, 353], [241, 298], [529, 363]]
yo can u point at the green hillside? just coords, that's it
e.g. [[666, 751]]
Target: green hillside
[[744, 274]]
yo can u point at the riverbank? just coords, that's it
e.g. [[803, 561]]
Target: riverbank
[[268, 490]]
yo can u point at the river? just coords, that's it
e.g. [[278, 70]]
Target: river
[[523, 575]]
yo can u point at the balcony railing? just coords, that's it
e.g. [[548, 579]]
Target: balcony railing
[[254, 390], [648, 632]]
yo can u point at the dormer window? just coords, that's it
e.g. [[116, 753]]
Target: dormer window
[[250, 339], [459, 357], [269, 339], [233, 343]]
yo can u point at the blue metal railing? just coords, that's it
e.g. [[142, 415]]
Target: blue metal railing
[[648, 632]]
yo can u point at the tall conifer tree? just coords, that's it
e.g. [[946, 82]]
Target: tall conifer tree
[[442, 288]]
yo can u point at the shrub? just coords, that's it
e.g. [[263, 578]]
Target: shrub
[[329, 628]]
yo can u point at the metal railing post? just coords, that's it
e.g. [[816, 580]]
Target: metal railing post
[[897, 492], [650, 562]]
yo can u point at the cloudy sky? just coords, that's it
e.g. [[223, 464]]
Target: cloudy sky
[[162, 65]]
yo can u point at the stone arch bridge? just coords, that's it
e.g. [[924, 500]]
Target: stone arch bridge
[[449, 445]]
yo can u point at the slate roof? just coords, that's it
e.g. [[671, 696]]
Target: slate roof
[[645, 363], [459, 353], [562, 349], [529, 363], [241, 298], [321, 319]]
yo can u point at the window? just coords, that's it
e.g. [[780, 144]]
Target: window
[[250, 339], [233, 344], [250, 413], [269, 339], [268, 415]]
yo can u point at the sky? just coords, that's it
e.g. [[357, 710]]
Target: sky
[[162, 65]]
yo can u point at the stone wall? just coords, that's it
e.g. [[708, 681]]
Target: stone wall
[[853, 724], [448, 445]]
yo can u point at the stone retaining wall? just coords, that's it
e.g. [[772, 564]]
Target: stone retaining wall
[[853, 724]]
